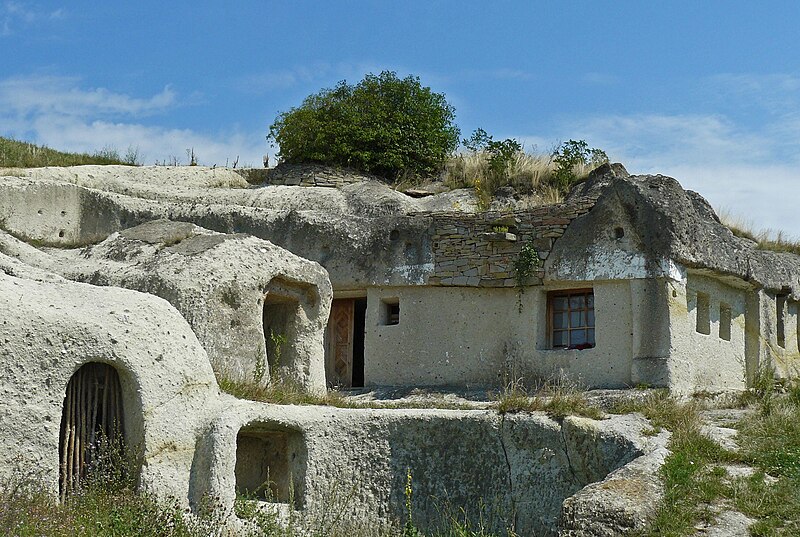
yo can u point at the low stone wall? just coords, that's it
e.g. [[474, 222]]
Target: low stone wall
[[479, 250], [306, 175]]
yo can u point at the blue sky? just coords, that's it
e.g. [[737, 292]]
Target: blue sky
[[707, 92]]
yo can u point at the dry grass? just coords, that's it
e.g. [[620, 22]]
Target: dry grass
[[767, 239], [530, 174], [557, 398], [17, 154], [283, 393], [526, 172]]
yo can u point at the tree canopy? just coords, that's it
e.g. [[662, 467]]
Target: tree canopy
[[384, 125]]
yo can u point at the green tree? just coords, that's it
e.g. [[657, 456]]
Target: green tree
[[383, 125], [570, 155]]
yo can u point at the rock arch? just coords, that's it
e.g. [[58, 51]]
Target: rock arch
[[92, 424]]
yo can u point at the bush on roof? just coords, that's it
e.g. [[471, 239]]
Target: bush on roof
[[383, 125]]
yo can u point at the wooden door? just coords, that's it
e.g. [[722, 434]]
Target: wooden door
[[339, 354]]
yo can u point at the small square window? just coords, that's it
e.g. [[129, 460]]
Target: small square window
[[391, 311], [571, 319], [703, 311]]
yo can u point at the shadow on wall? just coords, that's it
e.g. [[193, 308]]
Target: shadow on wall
[[287, 306], [271, 464]]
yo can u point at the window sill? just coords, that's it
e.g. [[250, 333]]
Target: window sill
[[570, 349]]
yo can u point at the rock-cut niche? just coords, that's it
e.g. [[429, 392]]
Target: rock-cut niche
[[283, 313], [92, 430], [271, 464]]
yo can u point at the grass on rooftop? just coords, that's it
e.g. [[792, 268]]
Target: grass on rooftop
[[19, 154], [766, 239]]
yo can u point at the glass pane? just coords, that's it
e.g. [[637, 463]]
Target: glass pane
[[576, 302], [559, 320], [590, 337], [590, 300], [575, 319], [558, 339], [590, 318], [577, 337], [560, 303]]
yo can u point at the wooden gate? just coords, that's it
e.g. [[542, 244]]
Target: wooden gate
[[91, 424], [339, 354]]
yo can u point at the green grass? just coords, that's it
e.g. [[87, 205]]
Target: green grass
[[693, 475], [691, 481], [114, 508], [18, 154]]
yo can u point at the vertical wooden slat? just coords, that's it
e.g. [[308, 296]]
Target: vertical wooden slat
[[79, 450], [93, 420], [106, 388], [65, 444], [92, 415]]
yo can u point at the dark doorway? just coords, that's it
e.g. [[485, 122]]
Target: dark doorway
[[344, 352], [91, 426], [359, 322]]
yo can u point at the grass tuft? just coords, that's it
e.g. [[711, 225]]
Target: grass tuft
[[283, 392], [766, 239], [557, 398]]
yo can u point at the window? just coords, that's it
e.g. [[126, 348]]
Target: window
[[571, 316], [391, 311], [703, 317], [724, 321], [780, 306]]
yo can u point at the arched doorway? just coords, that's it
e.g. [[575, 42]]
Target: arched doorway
[[91, 424]]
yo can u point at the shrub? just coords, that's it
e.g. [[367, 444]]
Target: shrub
[[572, 159], [500, 153], [383, 125]]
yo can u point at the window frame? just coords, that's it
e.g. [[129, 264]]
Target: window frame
[[551, 329]]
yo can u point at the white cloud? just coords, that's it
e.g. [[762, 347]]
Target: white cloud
[[744, 170], [58, 112], [16, 15], [36, 95], [154, 143]]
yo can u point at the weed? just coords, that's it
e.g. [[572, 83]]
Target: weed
[[557, 398], [526, 263], [100, 507], [409, 530], [487, 165]]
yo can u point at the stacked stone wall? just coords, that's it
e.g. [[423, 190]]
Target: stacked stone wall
[[306, 175], [479, 250]]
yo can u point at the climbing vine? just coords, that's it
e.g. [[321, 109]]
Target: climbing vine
[[525, 266], [527, 263]]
